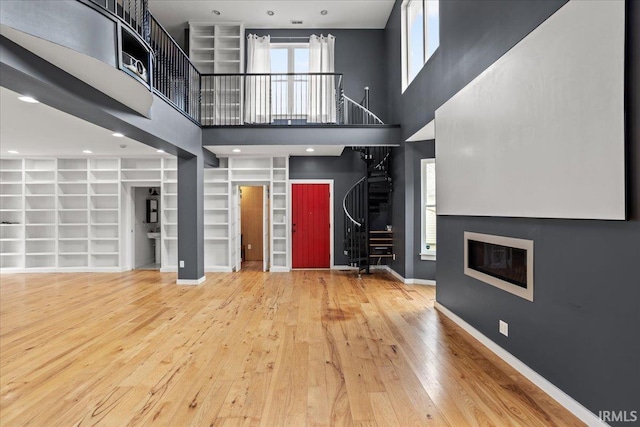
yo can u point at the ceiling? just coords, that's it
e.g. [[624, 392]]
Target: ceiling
[[41, 130], [276, 150], [370, 14]]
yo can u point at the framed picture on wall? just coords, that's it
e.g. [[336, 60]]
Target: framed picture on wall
[[152, 211]]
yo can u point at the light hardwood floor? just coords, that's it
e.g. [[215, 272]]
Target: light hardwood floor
[[306, 348]]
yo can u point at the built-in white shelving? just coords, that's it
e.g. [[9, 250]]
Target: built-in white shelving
[[67, 214], [219, 48]]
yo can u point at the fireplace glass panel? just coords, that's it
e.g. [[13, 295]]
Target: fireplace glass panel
[[503, 262]]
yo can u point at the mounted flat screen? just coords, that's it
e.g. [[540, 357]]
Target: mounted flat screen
[[540, 133]]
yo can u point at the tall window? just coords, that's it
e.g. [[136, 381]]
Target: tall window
[[420, 36], [289, 93], [429, 241]]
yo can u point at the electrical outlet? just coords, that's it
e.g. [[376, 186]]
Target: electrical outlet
[[249, 246], [504, 328], [181, 263]]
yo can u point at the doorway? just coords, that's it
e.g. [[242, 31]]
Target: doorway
[[145, 228], [253, 227], [311, 218]]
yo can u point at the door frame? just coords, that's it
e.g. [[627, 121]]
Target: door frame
[[331, 220], [128, 220], [266, 184]]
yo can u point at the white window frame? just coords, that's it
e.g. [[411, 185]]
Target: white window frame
[[290, 48], [425, 254], [406, 79]]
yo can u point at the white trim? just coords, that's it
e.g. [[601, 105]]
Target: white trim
[[222, 269], [545, 385], [427, 133], [526, 293], [428, 256], [331, 213], [397, 275], [279, 269], [169, 270], [190, 281]]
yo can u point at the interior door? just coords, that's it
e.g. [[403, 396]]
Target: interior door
[[310, 225], [265, 228]]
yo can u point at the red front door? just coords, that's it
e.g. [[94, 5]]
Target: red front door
[[310, 225]]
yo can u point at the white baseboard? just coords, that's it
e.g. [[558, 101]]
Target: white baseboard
[[279, 269], [558, 395], [191, 281], [218, 269], [169, 270], [402, 279]]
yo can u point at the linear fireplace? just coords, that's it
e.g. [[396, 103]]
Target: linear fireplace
[[504, 262]]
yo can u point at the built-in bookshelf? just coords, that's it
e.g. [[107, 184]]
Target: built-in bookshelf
[[219, 48], [169, 212], [218, 219], [67, 215], [279, 215], [73, 214], [12, 228]]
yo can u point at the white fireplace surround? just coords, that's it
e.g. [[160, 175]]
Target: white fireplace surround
[[527, 245]]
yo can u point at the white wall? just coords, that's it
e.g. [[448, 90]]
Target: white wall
[[540, 133]]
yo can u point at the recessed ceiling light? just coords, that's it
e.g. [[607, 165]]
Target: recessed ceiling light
[[13, 152], [160, 151], [216, 12], [117, 134], [310, 150], [28, 99], [236, 150], [270, 12], [324, 12], [87, 151]]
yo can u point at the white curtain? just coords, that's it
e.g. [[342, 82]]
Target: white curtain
[[258, 88], [322, 89]]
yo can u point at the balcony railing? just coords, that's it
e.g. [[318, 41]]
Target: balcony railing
[[275, 99], [174, 76], [237, 99]]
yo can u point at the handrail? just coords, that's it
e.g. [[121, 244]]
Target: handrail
[[363, 110], [344, 201]]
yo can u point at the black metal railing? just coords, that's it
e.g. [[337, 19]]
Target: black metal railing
[[238, 99], [354, 206], [353, 113], [132, 12], [174, 76], [286, 99]]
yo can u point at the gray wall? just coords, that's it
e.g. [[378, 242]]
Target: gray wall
[[61, 22], [581, 331], [345, 170], [359, 55]]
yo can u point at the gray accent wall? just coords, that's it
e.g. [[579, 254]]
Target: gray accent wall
[[359, 55], [345, 171], [580, 333], [67, 23], [191, 217]]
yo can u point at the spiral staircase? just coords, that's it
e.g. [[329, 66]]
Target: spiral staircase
[[366, 198]]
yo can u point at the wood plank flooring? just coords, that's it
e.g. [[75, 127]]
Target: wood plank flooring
[[310, 348]]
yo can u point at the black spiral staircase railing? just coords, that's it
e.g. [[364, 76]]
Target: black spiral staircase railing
[[367, 197]]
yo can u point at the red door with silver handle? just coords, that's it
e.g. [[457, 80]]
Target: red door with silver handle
[[310, 229]]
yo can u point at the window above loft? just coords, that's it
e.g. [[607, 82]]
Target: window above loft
[[420, 36]]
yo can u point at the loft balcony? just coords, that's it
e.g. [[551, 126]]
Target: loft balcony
[[211, 100], [135, 62]]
